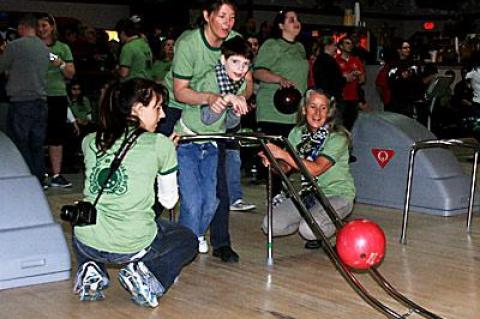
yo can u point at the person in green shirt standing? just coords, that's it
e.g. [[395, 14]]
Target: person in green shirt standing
[[163, 60], [281, 62], [60, 70], [196, 52], [197, 160], [323, 147], [136, 58]]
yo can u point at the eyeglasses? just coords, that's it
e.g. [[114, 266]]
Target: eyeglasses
[[347, 43]]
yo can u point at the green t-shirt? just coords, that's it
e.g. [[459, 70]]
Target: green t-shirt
[[56, 85], [125, 218], [137, 57], [160, 69], [81, 109], [287, 59], [193, 58], [337, 180], [191, 115]]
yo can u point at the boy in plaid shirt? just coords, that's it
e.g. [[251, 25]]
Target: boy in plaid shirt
[[198, 161]]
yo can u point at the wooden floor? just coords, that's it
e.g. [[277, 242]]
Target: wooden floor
[[439, 269]]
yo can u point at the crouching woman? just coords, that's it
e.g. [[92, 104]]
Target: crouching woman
[[152, 252], [324, 149]]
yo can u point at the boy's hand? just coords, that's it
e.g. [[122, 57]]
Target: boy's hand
[[174, 137], [238, 103], [217, 103]]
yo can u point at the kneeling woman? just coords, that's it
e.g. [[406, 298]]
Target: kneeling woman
[[152, 252], [324, 149]]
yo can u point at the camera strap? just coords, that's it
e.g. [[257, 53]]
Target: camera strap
[[119, 156]]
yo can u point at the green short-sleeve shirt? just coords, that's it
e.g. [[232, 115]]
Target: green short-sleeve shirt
[[137, 57], [337, 180], [81, 109], [160, 69], [193, 58], [56, 85], [284, 58], [191, 115], [125, 218]]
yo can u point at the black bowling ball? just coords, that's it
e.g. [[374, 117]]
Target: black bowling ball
[[286, 100]]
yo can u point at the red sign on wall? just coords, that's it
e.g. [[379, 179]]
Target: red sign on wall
[[382, 156]]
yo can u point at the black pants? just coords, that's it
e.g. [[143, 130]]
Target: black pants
[[219, 227], [347, 113]]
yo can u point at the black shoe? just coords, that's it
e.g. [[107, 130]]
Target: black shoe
[[60, 181], [226, 254], [313, 244]]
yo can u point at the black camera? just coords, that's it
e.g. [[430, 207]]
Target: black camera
[[79, 214]]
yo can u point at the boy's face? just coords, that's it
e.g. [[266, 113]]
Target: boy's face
[[236, 67]]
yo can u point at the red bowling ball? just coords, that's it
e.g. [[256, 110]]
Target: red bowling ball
[[361, 244]]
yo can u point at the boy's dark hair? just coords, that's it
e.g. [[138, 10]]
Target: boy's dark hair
[[237, 46], [28, 20], [127, 26]]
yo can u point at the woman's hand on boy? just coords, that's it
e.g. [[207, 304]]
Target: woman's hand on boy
[[217, 103], [238, 103]]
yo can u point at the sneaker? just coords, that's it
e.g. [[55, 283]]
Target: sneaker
[[44, 182], [137, 279], [240, 206], [278, 199], [202, 245], [313, 244], [89, 282], [226, 254], [60, 181]]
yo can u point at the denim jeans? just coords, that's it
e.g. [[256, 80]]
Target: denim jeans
[[219, 228], [26, 127], [197, 180], [233, 164], [173, 248]]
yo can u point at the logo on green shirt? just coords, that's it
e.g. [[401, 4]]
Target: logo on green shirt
[[117, 184]]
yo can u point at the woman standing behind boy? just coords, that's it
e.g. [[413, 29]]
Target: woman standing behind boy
[[197, 160]]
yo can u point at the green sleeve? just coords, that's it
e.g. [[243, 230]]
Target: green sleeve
[[183, 60], [267, 55], [167, 155], [67, 54], [88, 105], [126, 57]]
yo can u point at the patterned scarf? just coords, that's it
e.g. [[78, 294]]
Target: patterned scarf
[[224, 83], [312, 142]]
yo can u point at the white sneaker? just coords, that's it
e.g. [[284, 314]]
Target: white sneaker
[[202, 245], [278, 199], [137, 279], [90, 282], [240, 206]]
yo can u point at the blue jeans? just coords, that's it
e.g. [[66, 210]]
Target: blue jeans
[[26, 126], [233, 164], [173, 248], [197, 164]]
